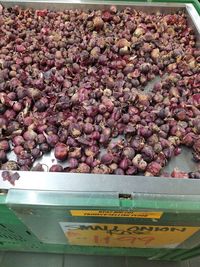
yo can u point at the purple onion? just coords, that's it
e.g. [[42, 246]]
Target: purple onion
[[36, 153], [107, 158], [129, 129], [73, 163], [147, 153], [45, 148], [128, 152], [104, 139], [189, 139], [4, 145], [61, 151], [137, 143], [125, 118], [71, 142], [38, 168], [52, 140], [131, 170], [3, 156], [74, 152], [194, 175], [168, 152], [144, 131], [56, 168], [83, 168], [124, 164], [154, 168], [91, 151], [30, 135], [88, 128]]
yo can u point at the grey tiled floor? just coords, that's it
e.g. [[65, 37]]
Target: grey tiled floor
[[16, 259]]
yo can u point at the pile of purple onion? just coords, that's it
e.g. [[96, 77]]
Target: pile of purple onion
[[74, 81]]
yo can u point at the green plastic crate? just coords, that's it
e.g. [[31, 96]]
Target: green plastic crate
[[56, 206]]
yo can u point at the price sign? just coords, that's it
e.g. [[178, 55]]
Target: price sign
[[126, 235]]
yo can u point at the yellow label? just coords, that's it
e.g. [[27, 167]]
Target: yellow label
[[116, 213], [126, 235]]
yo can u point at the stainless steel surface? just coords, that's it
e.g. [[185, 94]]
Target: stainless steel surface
[[103, 183], [110, 183], [194, 22], [88, 4]]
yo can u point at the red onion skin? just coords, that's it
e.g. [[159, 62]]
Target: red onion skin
[[10, 165], [6, 175], [179, 174], [10, 176]]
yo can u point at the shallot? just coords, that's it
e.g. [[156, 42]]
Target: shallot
[[72, 81]]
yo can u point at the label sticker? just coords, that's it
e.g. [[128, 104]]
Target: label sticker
[[126, 235], [117, 213]]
